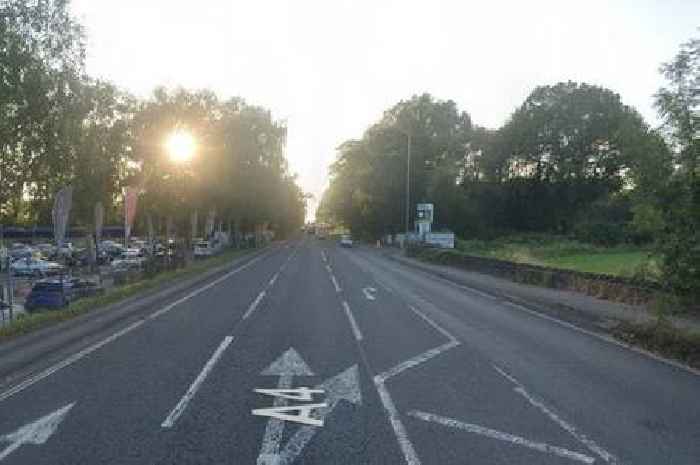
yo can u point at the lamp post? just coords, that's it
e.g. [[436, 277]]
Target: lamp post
[[408, 183]]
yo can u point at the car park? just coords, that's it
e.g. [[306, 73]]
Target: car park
[[203, 249], [35, 267], [58, 293]]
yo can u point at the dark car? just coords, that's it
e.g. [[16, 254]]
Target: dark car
[[57, 293]]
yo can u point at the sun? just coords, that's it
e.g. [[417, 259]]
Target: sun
[[181, 146]]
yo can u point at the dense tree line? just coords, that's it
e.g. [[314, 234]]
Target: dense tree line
[[572, 159], [59, 127]]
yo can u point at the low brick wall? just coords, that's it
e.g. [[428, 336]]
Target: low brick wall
[[607, 287]]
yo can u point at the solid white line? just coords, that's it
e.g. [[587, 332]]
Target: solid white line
[[565, 324], [501, 436], [90, 349], [68, 361], [568, 427], [323, 256], [196, 384], [335, 284], [409, 452], [604, 338], [436, 326], [253, 306], [417, 360], [353, 323], [272, 281]]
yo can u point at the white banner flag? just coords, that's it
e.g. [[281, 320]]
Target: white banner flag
[[60, 213]]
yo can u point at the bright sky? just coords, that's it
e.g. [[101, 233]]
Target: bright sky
[[330, 67]]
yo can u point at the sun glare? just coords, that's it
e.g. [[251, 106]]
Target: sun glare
[[180, 146]]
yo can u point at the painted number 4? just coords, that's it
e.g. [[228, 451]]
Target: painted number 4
[[296, 413]]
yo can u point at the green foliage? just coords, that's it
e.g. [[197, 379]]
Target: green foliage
[[679, 200], [565, 148], [663, 338], [565, 253], [59, 127]]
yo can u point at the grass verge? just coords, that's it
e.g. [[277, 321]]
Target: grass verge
[[662, 338], [565, 253], [28, 322]]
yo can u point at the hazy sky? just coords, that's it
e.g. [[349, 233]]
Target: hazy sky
[[331, 67]]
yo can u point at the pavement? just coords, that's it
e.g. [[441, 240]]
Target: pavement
[[313, 354]]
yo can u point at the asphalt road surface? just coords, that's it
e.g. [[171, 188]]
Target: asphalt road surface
[[312, 354]]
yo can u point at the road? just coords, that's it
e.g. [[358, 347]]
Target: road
[[312, 354]]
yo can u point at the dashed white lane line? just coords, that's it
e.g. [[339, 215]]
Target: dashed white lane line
[[113, 337], [254, 305], [355, 329], [335, 284], [501, 436], [568, 427], [196, 384]]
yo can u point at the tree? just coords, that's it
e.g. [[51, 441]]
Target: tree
[[678, 105], [41, 67]]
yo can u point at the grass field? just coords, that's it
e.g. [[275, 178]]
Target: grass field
[[558, 252]]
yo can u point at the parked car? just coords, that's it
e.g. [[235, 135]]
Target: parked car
[[112, 249], [126, 264], [34, 267], [203, 249], [346, 241], [20, 251], [57, 293], [131, 253]]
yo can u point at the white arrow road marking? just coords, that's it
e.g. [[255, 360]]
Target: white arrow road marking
[[196, 384], [568, 427], [288, 365], [344, 386], [501, 436], [369, 292], [37, 432]]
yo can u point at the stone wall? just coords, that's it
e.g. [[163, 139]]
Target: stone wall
[[607, 287]]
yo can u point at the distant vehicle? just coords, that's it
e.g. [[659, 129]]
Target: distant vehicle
[[203, 249], [34, 267], [346, 241], [57, 293]]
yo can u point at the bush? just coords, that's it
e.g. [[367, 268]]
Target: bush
[[603, 234]]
